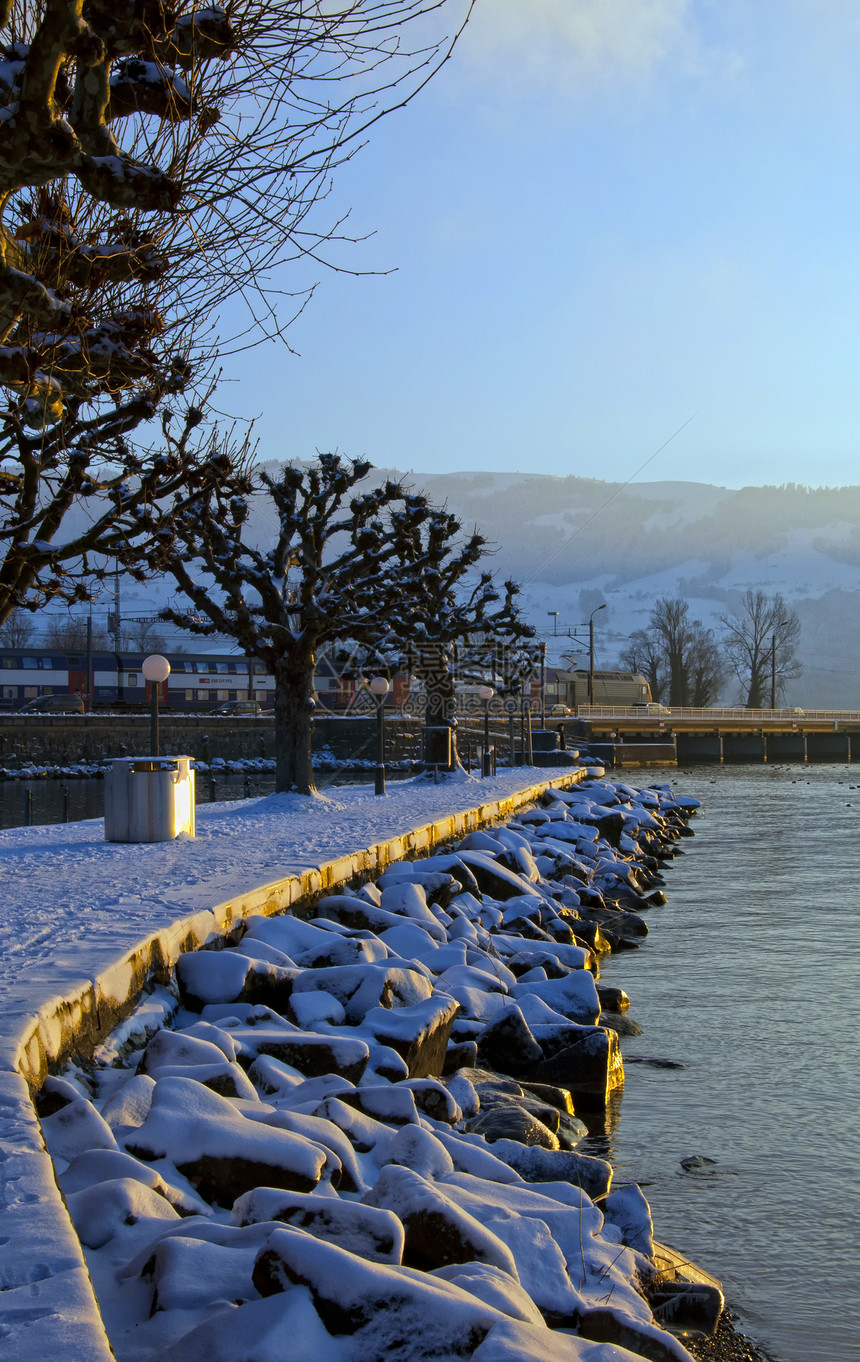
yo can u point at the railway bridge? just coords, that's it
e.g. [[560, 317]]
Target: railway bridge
[[725, 735]]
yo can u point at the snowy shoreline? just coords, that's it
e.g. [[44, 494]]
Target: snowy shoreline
[[524, 999], [577, 874], [82, 923]]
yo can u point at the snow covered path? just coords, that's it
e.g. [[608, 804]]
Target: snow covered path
[[67, 896], [371, 1021], [71, 906]]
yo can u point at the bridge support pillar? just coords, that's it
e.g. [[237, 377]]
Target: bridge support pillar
[[743, 747], [694, 747], [828, 746], [785, 747]]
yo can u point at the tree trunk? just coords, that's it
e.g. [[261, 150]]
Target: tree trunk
[[293, 712], [679, 683], [441, 708], [755, 694]]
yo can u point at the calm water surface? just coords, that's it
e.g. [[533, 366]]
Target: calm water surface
[[749, 978]]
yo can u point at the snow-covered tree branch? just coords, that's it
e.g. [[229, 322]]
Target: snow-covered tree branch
[[156, 160], [333, 571], [459, 624]]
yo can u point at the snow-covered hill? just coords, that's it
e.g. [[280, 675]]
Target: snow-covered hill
[[576, 542]]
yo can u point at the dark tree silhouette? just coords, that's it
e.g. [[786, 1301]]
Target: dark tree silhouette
[[761, 641], [155, 160], [678, 656], [644, 655], [334, 572], [460, 624], [17, 629]]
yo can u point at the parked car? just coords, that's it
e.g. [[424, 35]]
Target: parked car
[[55, 704], [561, 711], [234, 707]]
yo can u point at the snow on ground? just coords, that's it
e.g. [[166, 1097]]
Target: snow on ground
[[68, 897], [394, 1173]]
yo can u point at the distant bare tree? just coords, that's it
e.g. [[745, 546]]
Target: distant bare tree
[[707, 667], [677, 655], [143, 636], [644, 656], [761, 641], [17, 629], [70, 632]]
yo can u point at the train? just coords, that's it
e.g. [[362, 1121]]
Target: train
[[202, 682], [198, 682], [571, 688]]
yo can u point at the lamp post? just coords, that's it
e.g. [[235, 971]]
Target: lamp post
[[554, 614], [90, 686], [486, 694], [379, 690], [778, 625], [156, 670], [591, 652]]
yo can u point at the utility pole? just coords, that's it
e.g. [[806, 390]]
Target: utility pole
[[778, 625], [591, 652], [90, 692], [117, 623]]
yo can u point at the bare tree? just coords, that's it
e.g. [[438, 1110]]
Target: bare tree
[[143, 636], [678, 656], [707, 667], [69, 631], [155, 161], [332, 573], [454, 627], [17, 629], [644, 655], [761, 640], [461, 626]]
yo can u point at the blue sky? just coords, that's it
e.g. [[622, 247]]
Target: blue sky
[[604, 217]]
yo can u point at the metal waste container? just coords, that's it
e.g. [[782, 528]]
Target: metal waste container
[[149, 799]]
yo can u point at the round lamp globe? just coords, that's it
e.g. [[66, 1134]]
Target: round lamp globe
[[156, 668]]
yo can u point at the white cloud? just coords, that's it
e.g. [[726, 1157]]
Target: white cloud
[[569, 44]]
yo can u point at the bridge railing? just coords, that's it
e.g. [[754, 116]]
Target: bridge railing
[[667, 714]]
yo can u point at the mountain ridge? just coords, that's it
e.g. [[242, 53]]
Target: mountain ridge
[[575, 543]]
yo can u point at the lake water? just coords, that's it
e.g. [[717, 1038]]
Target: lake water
[[749, 978]]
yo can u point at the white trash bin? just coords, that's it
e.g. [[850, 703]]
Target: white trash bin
[[149, 799]]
